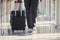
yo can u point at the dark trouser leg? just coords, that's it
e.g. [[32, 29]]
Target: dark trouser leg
[[28, 14], [33, 10], [29, 21]]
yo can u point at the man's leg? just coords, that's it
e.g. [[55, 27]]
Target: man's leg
[[33, 10], [33, 7], [28, 14]]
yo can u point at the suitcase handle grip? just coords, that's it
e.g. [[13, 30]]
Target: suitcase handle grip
[[19, 1]]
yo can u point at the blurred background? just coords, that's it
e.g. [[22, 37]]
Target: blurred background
[[47, 21]]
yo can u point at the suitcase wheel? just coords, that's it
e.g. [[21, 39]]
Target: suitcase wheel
[[24, 30], [12, 30]]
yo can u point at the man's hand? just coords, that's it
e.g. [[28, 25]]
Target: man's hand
[[18, 1]]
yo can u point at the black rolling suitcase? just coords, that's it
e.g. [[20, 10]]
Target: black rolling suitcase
[[17, 20]]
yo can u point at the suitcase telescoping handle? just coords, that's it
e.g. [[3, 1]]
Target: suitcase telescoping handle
[[18, 4], [18, 1]]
